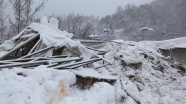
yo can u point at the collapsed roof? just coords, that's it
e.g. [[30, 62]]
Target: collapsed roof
[[44, 44], [40, 35], [44, 39]]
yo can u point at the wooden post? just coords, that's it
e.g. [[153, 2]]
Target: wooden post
[[33, 48], [24, 64], [39, 51], [96, 49], [77, 63]]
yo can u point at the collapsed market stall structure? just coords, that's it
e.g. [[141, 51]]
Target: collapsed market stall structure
[[44, 44]]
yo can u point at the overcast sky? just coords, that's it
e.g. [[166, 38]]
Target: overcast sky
[[87, 7]]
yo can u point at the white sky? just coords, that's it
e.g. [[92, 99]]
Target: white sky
[[87, 7]]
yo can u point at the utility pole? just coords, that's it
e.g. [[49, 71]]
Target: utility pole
[[185, 28], [143, 33], [164, 35]]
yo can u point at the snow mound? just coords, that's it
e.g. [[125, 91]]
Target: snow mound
[[32, 86], [154, 81]]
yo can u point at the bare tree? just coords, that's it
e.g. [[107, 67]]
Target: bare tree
[[87, 30], [78, 24], [23, 13], [2, 19], [74, 23]]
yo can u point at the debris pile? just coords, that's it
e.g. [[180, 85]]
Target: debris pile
[[46, 66], [146, 76]]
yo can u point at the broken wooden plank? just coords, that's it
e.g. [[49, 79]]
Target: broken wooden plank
[[101, 58], [88, 76], [19, 46], [34, 47], [92, 73], [42, 58], [96, 49], [65, 60], [19, 60], [4, 62], [25, 64], [39, 51], [82, 64], [97, 46], [48, 58], [52, 65], [26, 36], [77, 63], [92, 41], [68, 59], [58, 56], [101, 66], [87, 82], [101, 53]]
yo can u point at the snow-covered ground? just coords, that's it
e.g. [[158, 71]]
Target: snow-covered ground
[[155, 82]]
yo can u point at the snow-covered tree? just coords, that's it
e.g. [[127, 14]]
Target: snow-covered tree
[[2, 19]]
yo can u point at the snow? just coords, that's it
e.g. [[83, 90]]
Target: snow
[[90, 72], [147, 85], [11, 43], [183, 45], [50, 36], [34, 86], [168, 44], [148, 79], [132, 91], [54, 22], [118, 30], [147, 28], [28, 35], [44, 20], [118, 41], [38, 86], [100, 93], [93, 36], [154, 81]]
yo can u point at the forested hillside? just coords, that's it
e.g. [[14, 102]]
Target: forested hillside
[[164, 18]]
